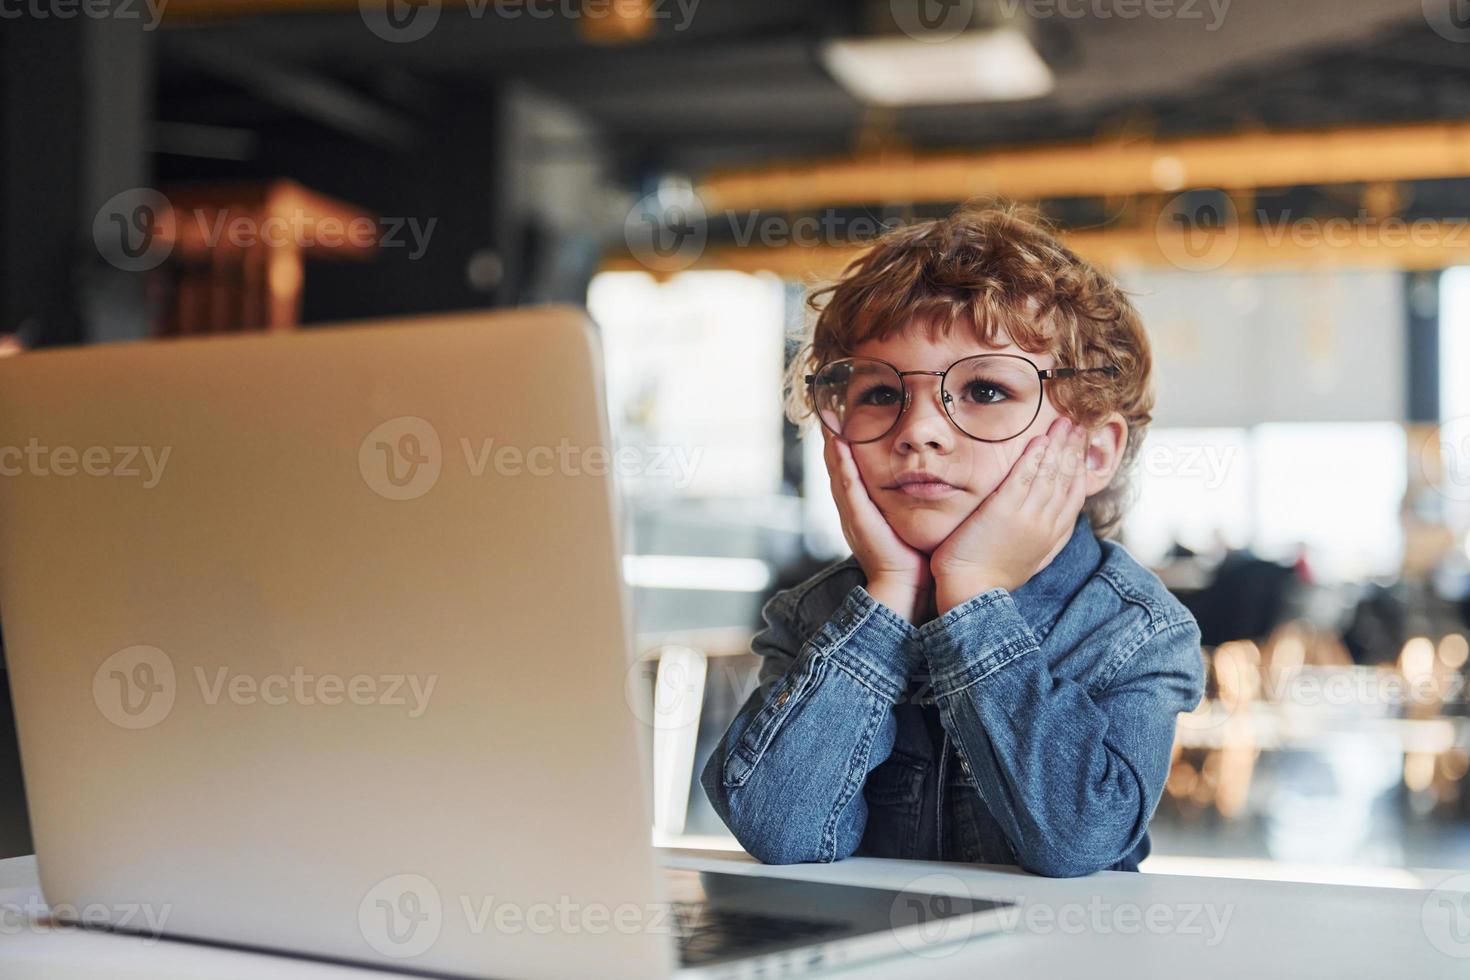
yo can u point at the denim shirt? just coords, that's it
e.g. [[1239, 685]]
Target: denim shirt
[[1031, 727]]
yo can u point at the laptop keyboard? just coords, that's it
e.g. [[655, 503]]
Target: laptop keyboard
[[705, 932]]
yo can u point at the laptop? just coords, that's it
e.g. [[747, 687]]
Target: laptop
[[319, 645]]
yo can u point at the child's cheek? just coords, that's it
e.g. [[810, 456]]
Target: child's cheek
[[871, 467]]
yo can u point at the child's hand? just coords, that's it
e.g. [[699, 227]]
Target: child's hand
[[1018, 529], [898, 575]]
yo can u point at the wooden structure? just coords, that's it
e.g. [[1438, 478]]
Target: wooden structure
[[238, 253]]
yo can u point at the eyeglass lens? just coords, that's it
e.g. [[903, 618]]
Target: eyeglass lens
[[991, 397]]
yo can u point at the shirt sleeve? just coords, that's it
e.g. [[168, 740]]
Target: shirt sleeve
[[787, 775], [1072, 776]]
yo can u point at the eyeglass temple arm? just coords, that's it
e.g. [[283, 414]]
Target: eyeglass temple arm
[[1046, 374], [1069, 372]]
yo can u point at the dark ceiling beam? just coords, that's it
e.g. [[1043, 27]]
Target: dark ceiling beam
[[300, 91]]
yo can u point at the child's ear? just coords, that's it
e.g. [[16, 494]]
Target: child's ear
[[1105, 445]]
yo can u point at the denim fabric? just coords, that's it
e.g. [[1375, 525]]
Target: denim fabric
[[1032, 727]]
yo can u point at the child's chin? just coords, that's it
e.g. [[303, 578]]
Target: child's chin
[[925, 532]]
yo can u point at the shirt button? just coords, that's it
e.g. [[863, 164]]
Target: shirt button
[[965, 767], [783, 697]]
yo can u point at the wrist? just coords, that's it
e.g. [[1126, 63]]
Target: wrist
[[954, 591], [905, 598]]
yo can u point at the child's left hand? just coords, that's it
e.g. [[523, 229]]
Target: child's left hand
[[1018, 529]]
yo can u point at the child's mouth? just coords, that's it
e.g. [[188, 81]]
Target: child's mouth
[[927, 490]]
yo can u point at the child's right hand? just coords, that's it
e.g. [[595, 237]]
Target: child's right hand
[[898, 574]]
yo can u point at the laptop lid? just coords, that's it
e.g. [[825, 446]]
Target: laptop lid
[[318, 643]]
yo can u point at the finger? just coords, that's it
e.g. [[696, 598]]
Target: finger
[[1023, 472], [834, 476], [832, 453], [867, 519], [850, 479], [1071, 478], [835, 480], [1054, 473], [833, 460], [1049, 471]]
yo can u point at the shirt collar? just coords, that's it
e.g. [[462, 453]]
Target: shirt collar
[[1041, 598]]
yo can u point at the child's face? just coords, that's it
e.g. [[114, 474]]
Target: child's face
[[926, 439]]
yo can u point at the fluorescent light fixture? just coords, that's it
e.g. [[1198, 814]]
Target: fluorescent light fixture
[[696, 572], [976, 66]]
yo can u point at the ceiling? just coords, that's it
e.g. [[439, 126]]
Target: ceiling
[[741, 82]]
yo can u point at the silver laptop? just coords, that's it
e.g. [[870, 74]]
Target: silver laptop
[[319, 644]]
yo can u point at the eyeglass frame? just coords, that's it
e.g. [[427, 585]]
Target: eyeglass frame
[[1043, 375]]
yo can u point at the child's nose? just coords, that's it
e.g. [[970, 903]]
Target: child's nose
[[924, 421]]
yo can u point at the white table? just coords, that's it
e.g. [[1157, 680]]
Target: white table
[[1127, 926]]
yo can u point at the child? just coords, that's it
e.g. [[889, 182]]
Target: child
[[985, 679]]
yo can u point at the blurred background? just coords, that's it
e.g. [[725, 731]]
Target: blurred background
[[1283, 187]]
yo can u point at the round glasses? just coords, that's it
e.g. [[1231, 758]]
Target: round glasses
[[989, 397]]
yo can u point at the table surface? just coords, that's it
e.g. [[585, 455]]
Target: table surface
[[1106, 925]]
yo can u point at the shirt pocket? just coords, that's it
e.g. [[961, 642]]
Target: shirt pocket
[[894, 793]]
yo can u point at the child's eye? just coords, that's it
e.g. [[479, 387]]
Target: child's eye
[[984, 393], [879, 395]]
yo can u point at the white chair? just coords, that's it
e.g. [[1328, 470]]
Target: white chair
[[678, 698]]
